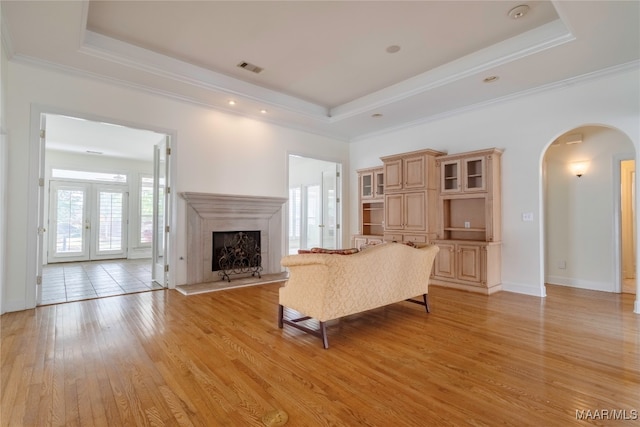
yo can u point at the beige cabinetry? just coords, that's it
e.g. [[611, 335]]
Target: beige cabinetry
[[371, 182], [468, 265], [469, 221], [410, 199], [370, 207], [465, 175]]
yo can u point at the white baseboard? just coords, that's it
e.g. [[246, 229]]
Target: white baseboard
[[15, 305], [139, 253], [580, 283], [525, 289]]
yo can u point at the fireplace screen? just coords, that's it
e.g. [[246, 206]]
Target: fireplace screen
[[236, 252]]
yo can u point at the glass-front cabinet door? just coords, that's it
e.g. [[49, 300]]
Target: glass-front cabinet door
[[450, 176], [366, 185], [474, 174]]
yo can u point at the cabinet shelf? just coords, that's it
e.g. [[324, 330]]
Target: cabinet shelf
[[465, 229]]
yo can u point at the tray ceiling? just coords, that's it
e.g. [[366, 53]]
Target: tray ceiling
[[345, 69]]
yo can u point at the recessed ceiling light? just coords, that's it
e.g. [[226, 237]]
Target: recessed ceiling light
[[376, 115], [232, 102], [490, 79], [518, 11], [263, 111], [393, 48]]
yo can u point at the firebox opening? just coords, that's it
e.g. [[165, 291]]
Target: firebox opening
[[236, 252]]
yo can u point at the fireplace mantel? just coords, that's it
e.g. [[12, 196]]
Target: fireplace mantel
[[208, 212]]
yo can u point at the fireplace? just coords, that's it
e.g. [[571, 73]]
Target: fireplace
[[236, 252], [208, 213]]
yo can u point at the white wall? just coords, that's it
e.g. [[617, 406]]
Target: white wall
[[523, 127], [580, 214], [213, 152], [4, 153]]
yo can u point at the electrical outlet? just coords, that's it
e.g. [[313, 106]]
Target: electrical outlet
[[527, 216], [562, 264], [467, 224]]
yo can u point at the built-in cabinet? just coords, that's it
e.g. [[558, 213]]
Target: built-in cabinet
[[452, 200], [469, 221], [370, 207], [411, 191]]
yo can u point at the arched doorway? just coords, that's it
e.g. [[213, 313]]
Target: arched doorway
[[589, 217]]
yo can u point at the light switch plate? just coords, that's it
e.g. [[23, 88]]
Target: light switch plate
[[527, 216]]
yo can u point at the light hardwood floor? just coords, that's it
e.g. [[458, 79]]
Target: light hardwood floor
[[219, 359]]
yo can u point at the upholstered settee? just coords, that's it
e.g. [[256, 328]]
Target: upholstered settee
[[327, 286]]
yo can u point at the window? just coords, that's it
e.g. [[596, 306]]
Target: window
[[89, 176]]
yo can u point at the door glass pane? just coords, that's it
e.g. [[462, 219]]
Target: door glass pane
[[329, 221], [70, 221], [313, 216], [110, 220], [295, 219], [146, 211]]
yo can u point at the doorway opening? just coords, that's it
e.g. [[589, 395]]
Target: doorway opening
[[589, 216], [314, 212], [628, 225], [103, 209]]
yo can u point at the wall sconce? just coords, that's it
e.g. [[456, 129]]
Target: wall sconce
[[579, 168]]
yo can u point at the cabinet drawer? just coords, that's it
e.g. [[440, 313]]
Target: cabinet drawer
[[393, 237], [415, 239]]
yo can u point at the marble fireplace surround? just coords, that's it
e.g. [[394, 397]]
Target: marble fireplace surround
[[208, 212]]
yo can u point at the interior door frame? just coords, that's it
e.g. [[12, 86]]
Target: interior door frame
[[339, 200], [35, 176], [617, 220]]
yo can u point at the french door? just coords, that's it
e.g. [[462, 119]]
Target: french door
[[161, 187], [87, 221], [314, 204]]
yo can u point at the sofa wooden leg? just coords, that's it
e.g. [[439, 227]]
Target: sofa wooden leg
[[280, 315], [425, 302], [323, 335]]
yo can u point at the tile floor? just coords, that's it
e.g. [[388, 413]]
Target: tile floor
[[77, 281]]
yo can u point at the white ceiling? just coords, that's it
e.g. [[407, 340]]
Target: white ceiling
[[89, 137], [326, 68]]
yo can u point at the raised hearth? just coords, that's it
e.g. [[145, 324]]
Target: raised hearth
[[208, 213]]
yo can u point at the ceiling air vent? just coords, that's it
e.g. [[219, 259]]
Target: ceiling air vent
[[250, 67]]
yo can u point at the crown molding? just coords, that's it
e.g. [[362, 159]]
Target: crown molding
[[134, 57], [531, 42], [618, 69]]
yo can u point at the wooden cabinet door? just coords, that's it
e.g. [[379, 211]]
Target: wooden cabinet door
[[450, 176], [393, 174], [469, 263], [366, 185], [415, 211], [393, 212], [414, 172], [378, 179], [444, 265], [475, 174]]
